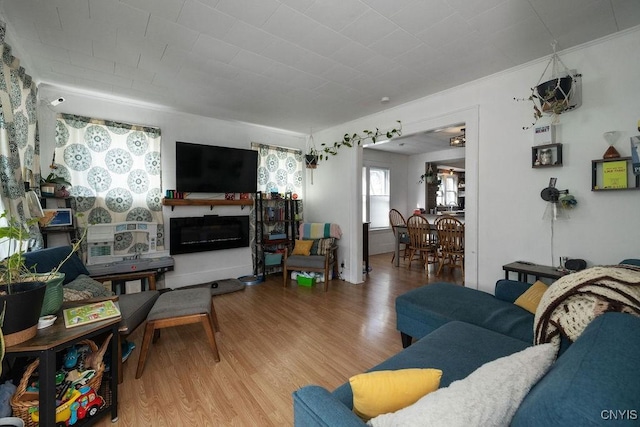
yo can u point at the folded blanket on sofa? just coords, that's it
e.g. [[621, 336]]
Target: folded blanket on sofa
[[573, 301], [319, 230]]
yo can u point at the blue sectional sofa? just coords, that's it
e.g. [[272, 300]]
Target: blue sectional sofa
[[593, 381]]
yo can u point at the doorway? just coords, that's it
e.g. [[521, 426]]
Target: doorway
[[443, 154]]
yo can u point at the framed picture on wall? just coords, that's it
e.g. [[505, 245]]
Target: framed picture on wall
[[547, 155]]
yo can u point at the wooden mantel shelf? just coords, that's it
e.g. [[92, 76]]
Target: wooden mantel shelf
[[206, 202]]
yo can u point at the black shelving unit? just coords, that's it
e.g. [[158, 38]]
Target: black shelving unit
[[276, 224]]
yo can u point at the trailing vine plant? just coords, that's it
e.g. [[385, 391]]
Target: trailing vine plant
[[349, 140]]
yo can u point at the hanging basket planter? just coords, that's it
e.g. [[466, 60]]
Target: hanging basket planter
[[311, 161], [555, 94], [561, 92]]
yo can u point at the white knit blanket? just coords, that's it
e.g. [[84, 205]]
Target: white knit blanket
[[574, 300]]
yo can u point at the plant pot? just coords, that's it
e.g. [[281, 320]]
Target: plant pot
[[48, 190], [311, 161], [554, 94], [22, 310]]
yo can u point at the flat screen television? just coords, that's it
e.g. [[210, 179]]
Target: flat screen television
[[211, 169]]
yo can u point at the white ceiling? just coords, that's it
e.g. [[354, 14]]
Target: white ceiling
[[293, 64]]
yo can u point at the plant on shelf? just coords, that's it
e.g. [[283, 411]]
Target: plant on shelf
[[349, 140], [54, 185]]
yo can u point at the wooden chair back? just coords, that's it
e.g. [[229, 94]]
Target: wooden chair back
[[450, 234], [396, 219], [451, 242], [419, 232]]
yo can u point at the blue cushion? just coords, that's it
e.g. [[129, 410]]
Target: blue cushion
[[48, 259], [422, 310], [631, 261], [510, 290], [456, 348], [595, 380]]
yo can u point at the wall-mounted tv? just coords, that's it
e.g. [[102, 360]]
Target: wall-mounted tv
[[211, 169]]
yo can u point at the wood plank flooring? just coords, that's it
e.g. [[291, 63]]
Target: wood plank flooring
[[272, 341]]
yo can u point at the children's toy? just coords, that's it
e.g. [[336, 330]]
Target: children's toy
[[83, 403], [90, 403], [71, 358], [63, 411]]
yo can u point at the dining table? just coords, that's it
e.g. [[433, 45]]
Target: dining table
[[402, 231]]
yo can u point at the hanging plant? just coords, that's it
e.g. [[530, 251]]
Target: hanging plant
[[349, 140], [430, 177], [555, 95]]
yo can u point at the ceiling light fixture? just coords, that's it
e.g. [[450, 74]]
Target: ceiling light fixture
[[385, 100], [458, 141]]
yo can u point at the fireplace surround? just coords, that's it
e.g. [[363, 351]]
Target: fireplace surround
[[208, 233]]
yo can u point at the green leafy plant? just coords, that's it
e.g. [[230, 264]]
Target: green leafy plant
[[13, 267], [52, 178], [349, 140]]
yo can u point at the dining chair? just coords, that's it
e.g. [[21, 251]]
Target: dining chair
[[451, 242], [422, 241], [396, 219]]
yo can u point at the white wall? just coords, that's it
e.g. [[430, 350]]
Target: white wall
[[603, 227], [191, 268]]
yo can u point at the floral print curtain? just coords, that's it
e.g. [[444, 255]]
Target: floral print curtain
[[115, 170], [280, 170], [19, 144]]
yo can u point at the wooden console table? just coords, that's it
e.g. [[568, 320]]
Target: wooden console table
[[55, 338], [526, 269]]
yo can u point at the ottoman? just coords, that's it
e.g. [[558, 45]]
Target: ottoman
[[176, 308]]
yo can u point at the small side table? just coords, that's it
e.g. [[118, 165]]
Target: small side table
[[55, 338], [525, 269]]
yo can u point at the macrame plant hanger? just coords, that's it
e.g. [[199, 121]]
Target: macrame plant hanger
[[311, 149], [556, 98]]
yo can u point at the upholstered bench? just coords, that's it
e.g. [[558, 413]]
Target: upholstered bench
[[180, 307]]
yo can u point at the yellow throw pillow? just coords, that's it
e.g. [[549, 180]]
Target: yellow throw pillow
[[531, 298], [381, 392], [302, 247]]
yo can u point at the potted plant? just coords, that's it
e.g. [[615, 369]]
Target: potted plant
[[24, 294], [311, 159], [54, 186], [430, 177], [21, 295]]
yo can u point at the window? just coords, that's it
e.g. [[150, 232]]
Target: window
[[448, 190], [375, 196]]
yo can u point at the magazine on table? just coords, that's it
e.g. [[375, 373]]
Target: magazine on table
[[85, 314]]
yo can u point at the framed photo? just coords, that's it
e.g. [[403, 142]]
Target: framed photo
[[547, 155], [61, 217]]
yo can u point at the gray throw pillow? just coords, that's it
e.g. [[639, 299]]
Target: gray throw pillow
[[86, 283]]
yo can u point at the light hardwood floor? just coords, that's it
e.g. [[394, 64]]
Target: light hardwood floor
[[272, 341]]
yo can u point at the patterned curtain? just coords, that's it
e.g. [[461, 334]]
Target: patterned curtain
[[115, 171], [19, 144], [280, 170]]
